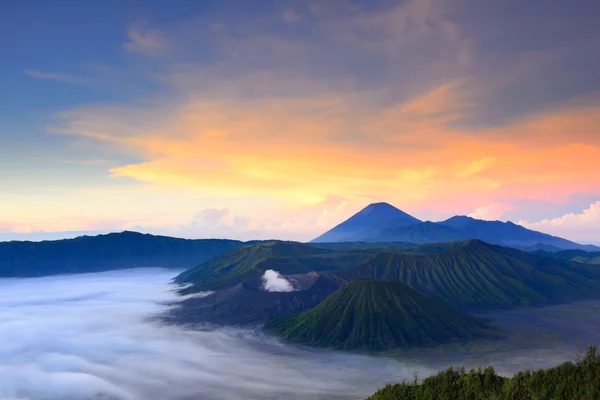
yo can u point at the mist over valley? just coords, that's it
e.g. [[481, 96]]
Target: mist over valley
[[80, 336]]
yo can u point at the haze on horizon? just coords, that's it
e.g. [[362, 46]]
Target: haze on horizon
[[280, 119]]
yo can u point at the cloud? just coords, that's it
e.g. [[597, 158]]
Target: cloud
[[583, 226], [68, 78], [101, 340], [210, 217], [273, 281], [490, 212], [148, 43], [97, 338], [240, 222], [327, 146], [290, 16], [408, 102], [50, 226], [477, 166]]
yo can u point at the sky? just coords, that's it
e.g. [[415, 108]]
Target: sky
[[280, 119]]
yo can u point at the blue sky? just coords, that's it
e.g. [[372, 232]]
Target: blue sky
[[282, 118]]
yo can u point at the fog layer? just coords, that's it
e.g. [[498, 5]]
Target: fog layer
[[91, 336], [74, 337]]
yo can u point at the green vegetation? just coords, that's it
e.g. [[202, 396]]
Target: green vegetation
[[580, 380], [475, 275], [379, 315], [250, 261]]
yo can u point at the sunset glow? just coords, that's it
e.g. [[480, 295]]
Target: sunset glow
[[286, 122]]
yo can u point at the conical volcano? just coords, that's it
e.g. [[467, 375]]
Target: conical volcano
[[370, 222], [379, 315]]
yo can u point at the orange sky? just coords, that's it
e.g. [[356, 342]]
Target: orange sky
[[282, 135]]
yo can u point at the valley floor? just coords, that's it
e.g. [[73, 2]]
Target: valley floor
[[538, 337]]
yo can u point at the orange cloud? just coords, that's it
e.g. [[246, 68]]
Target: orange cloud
[[307, 149], [477, 166]]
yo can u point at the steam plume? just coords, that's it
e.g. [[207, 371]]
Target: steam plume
[[274, 282]]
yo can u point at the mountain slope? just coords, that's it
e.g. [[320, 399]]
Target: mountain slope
[[106, 252], [252, 261], [247, 304], [368, 223], [382, 222], [507, 233], [425, 232], [469, 275], [475, 275], [379, 315]]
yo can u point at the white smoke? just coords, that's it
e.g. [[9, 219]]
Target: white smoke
[[273, 281]]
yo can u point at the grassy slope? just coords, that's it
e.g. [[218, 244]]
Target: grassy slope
[[475, 275], [379, 315]]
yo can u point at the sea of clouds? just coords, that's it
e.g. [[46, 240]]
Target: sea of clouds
[[92, 336], [82, 336]]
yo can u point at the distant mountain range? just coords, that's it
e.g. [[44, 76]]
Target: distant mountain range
[[410, 294], [381, 222], [377, 226], [106, 252]]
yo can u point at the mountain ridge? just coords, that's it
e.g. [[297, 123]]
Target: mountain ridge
[[360, 228], [370, 218], [251, 261], [472, 274], [105, 252]]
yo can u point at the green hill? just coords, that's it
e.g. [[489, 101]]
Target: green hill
[[475, 275], [251, 261], [379, 315], [580, 380]]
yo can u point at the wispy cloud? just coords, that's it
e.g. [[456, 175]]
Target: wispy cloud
[[583, 226], [219, 145], [490, 212], [68, 78], [149, 42], [420, 103]]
